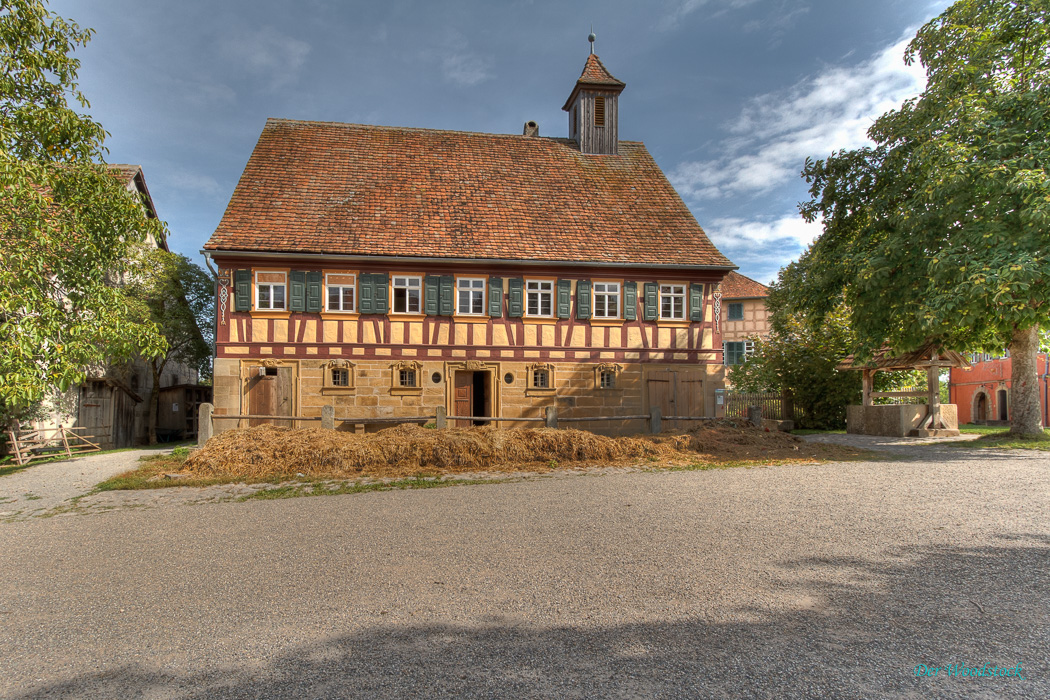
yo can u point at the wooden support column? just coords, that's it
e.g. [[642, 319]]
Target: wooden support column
[[866, 383]]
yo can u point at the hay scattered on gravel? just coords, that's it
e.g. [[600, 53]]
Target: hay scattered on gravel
[[407, 450]]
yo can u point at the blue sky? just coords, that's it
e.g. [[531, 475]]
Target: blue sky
[[729, 96]]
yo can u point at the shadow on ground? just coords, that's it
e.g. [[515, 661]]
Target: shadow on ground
[[933, 606]]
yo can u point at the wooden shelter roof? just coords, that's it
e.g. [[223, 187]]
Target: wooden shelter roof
[[922, 357]]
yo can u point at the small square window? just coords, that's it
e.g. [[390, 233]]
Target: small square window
[[607, 379], [541, 379], [340, 377], [736, 311], [407, 378]]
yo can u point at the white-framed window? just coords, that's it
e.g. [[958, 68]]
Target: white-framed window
[[470, 296], [672, 302], [541, 378], [735, 352], [407, 378], [539, 298], [407, 294], [606, 299], [736, 311], [607, 379], [271, 290], [342, 291]]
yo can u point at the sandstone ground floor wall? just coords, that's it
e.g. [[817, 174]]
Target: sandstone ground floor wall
[[506, 390]]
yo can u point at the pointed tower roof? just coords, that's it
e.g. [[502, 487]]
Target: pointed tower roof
[[594, 75]]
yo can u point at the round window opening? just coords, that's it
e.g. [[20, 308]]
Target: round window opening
[[508, 378], [436, 377]]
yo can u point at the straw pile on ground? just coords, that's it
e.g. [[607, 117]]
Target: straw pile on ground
[[266, 451]]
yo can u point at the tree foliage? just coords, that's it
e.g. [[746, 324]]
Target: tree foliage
[[67, 223], [940, 230]]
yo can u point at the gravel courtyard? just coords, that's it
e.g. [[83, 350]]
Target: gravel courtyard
[[833, 580]]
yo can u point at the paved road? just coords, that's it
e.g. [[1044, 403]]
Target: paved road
[[804, 581]]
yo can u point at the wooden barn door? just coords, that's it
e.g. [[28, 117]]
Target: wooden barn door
[[270, 394], [677, 393], [464, 397]]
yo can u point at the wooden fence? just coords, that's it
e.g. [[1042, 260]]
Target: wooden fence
[[27, 445], [775, 405]]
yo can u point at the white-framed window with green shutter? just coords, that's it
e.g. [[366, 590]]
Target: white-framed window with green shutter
[[341, 292], [271, 290], [408, 293], [539, 298], [470, 296], [606, 297], [672, 302]]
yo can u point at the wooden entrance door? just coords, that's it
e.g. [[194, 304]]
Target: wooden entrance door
[[677, 393], [270, 394], [471, 397]]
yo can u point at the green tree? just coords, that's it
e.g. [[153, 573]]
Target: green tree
[[67, 223], [178, 297], [940, 230]]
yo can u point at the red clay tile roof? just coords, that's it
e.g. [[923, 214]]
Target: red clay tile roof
[[350, 189], [595, 73], [736, 286]]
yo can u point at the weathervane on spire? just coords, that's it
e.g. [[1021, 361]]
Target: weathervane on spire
[[591, 37]]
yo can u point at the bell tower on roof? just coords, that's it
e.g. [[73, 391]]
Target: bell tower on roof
[[592, 108]]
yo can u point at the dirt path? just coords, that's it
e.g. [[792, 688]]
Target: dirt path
[[43, 487]]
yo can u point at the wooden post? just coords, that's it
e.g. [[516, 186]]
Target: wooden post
[[440, 421], [65, 442], [328, 417], [655, 424], [866, 382], [205, 427], [933, 386], [12, 435], [551, 417]]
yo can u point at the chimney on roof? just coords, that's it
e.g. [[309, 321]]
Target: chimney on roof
[[593, 109], [531, 128]]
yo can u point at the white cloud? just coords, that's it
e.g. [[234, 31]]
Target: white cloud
[[464, 68], [770, 140], [267, 54], [792, 229], [192, 183]]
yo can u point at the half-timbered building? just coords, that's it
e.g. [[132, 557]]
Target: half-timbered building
[[390, 271]]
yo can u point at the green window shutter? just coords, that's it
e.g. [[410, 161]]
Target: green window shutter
[[314, 298], [297, 290], [515, 297], [564, 298], [447, 296], [651, 302], [366, 294], [242, 290], [381, 284], [431, 288], [583, 299], [495, 297], [696, 302], [630, 301]]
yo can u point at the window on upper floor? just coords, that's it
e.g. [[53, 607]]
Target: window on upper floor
[[736, 311], [342, 291], [606, 300], [270, 290], [672, 302], [407, 294], [539, 298], [470, 296]]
